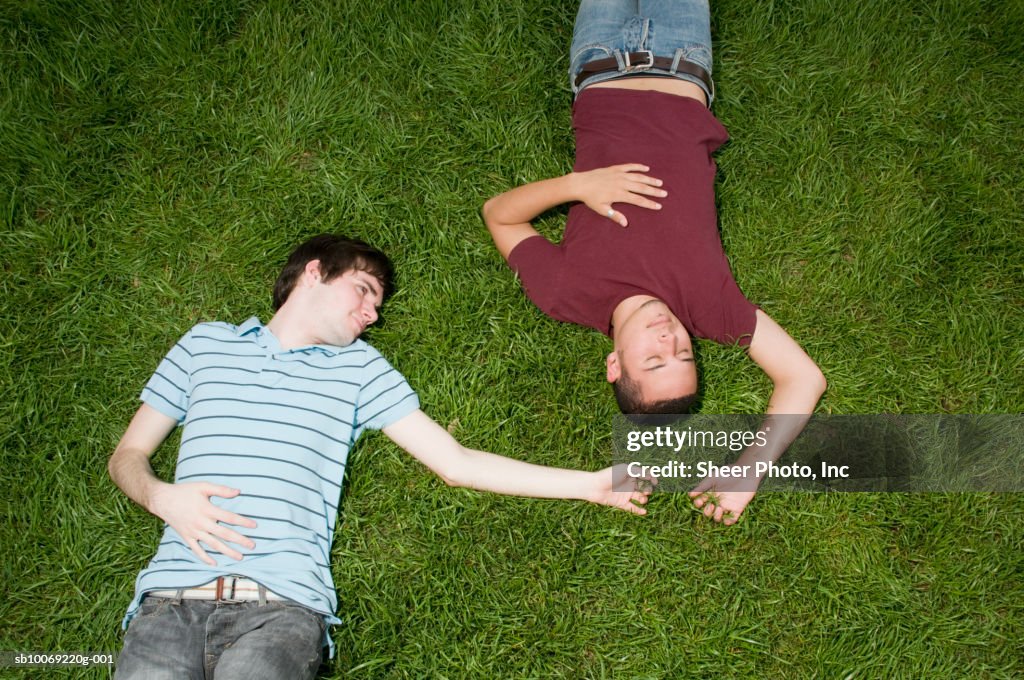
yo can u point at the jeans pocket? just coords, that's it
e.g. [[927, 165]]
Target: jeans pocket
[[304, 627], [586, 54], [153, 606]]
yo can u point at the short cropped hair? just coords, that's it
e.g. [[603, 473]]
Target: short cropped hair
[[337, 255], [627, 394]]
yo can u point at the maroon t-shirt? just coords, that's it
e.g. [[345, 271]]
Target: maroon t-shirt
[[674, 254]]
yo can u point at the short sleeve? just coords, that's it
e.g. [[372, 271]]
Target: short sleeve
[[538, 262], [384, 398], [731, 320], [170, 387]]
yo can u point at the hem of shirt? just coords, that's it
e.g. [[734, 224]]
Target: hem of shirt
[[512, 253], [414, 405], [745, 339], [163, 407], [652, 94]]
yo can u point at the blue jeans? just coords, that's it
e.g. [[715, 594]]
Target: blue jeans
[[676, 29], [171, 639]]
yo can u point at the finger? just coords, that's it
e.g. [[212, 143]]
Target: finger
[[218, 490], [635, 509], [633, 167], [638, 200], [199, 552], [638, 188], [638, 496], [616, 216], [646, 179], [228, 517], [212, 542], [232, 536]]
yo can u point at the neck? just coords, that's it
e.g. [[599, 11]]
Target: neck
[[288, 331], [626, 309]]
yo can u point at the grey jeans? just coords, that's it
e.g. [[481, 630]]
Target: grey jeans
[[171, 638]]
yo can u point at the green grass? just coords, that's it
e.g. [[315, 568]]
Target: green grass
[[158, 160]]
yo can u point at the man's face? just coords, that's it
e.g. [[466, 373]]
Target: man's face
[[346, 305], [654, 349]]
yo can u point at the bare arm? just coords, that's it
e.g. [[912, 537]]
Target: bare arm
[[185, 507], [508, 216], [431, 444], [798, 385]]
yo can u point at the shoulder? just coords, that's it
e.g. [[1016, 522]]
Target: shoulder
[[384, 393], [533, 252], [363, 357], [216, 329], [217, 338], [209, 332]]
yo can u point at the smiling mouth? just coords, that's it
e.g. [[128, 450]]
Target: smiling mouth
[[660, 320]]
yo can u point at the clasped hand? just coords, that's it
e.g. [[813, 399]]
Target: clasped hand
[[626, 183], [187, 509], [722, 499], [614, 486]]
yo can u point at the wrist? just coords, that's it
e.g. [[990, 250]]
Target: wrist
[[594, 485], [153, 496], [574, 183]]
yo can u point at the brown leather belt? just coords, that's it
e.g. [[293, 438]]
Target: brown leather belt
[[638, 62]]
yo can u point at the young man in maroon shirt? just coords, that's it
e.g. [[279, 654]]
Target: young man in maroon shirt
[[641, 259]]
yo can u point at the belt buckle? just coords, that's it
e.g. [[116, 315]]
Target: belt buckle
[[639, 67]]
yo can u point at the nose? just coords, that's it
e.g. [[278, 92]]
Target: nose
[[370, 313]]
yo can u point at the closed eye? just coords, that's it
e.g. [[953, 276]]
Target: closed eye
[[656, 366]]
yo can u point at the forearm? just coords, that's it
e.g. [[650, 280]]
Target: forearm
[[789, 408], [490, 472], [460, 466], [522, 204], [129, 464], [433, 446], [132, 473], [798, 385]]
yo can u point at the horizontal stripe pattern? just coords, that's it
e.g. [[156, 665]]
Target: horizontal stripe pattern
[[277, 425]]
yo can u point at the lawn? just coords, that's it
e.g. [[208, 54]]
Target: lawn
[[158, 161]]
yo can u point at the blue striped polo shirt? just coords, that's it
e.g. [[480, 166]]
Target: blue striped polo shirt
[[278, 425]]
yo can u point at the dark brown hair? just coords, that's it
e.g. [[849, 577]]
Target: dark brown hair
[[337, 255], [627, 395]]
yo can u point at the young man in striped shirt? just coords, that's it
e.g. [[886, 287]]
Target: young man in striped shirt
[[241, 581]]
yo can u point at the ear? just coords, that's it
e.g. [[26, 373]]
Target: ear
[[311, 272], [614, 369]]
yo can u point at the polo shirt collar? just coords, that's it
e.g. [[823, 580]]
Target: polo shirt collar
[[263, 337]]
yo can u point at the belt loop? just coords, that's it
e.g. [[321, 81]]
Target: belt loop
[[178, 595], [620, 60], [263, 594], [676, 59]]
